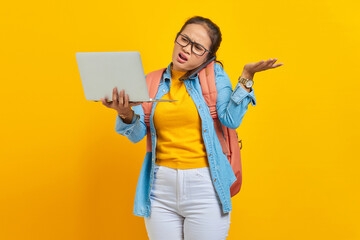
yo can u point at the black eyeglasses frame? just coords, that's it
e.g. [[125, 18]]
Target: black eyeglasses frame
[[192, 44]]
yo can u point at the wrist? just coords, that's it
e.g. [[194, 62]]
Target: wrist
[[243, 79], [243, 86], [246, 74], [127, 118]]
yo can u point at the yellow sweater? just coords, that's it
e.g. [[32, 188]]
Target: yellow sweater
[[178, 127]]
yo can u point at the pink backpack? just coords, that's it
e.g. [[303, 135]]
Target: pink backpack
[[227, 136]]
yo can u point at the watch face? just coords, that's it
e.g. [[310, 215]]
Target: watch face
[[249, 83]]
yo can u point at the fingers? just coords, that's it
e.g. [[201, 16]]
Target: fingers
[[126, 103], [269, 62], [115, 95], [105, 103], [277, 65], [121, 98], [259, 63], [272, 61]]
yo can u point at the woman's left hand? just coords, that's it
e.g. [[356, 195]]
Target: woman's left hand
[[251, 68]]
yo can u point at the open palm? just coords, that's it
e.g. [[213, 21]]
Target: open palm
[[252, 68]]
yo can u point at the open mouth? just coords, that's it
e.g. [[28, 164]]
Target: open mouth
[[182, 57]]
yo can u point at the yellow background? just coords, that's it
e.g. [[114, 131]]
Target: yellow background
[[66, 174]]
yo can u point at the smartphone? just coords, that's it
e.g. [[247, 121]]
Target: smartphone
[[193, 72]]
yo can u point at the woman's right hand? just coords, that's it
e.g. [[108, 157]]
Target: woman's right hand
[[121, 104]]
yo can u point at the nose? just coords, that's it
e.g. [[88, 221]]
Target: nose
[[187, 49]]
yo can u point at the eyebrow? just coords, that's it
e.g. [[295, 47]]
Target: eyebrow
[[195, 41]]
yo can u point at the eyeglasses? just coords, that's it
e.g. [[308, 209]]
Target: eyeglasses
[[196, 48]]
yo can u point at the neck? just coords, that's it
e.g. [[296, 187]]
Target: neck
[[175, 69]]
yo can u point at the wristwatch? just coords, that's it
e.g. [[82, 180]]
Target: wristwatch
[[247, 82]]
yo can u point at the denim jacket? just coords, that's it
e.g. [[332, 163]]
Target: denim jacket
[[231, 108]]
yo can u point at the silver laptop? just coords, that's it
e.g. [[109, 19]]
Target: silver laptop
[[100, 72]]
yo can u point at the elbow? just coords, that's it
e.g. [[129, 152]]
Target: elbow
[[231, 123], [134, 140], [128, 134]]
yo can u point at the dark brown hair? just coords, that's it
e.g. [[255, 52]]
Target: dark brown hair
[[213, 32]]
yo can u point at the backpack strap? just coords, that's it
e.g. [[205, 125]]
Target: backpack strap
[[152, 81], [208, 87]]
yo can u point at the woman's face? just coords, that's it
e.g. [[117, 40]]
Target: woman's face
[[197, 33]]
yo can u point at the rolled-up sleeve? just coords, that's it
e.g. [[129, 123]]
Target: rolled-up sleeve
[[240, 93], [231, 105]]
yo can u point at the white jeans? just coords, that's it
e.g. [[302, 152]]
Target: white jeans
[[184, 205]]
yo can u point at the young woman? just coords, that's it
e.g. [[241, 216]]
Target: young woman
[[183, 191]]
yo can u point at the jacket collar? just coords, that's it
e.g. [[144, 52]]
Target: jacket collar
[[167, 74]]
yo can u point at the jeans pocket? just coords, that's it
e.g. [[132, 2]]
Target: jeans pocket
[[203, 185], [203, 173]]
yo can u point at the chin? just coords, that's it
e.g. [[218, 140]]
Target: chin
[[179, 66]]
